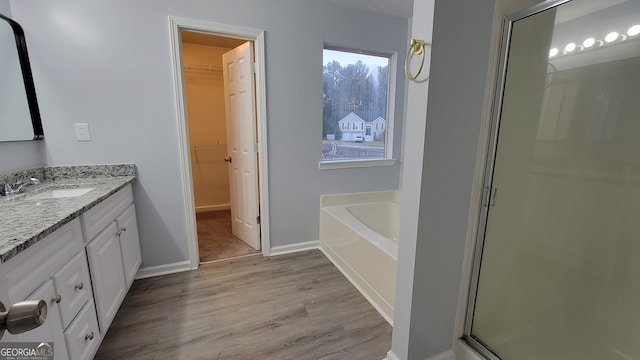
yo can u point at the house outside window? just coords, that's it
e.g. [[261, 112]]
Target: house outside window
[[355, 106]]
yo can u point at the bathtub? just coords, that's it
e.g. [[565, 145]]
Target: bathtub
[[359, 234]]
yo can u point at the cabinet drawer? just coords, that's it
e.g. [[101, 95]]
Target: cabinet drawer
[[98, 217], [73, 285], [82, 336]]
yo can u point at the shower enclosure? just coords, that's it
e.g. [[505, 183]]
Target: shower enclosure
[[556, 273]]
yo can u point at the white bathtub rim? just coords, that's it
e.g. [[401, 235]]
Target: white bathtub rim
[[340, 213]]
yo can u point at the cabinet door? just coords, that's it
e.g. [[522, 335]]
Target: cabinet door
[[51, 331], [129, 243], [107, 275], [73, 285]]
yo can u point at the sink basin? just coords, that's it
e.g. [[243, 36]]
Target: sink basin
[[59, 193]]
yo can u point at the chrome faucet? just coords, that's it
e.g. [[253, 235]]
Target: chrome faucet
[[18, 187]]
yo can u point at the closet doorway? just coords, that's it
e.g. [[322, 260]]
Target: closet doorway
[[220, 97], [252, 144]]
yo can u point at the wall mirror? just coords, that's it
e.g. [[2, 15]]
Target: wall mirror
[[19, 114]]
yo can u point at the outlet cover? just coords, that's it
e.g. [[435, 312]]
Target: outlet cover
[[82, 132]]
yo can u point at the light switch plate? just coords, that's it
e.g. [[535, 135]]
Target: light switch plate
[[82, 132]]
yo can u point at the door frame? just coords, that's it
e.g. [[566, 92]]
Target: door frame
[[176, 25]]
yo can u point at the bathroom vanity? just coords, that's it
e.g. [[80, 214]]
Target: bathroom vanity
[[71, 241]]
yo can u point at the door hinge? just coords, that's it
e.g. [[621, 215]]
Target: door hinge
[[489, 196], [258, 220], [253, 67]]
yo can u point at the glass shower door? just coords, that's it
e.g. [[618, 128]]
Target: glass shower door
[[557, 269]]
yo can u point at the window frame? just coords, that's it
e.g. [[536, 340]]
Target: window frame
[[388, 159]]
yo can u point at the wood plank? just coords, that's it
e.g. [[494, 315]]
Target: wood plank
[[295, 306]]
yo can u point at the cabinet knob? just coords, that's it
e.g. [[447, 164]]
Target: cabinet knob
[[89, 336], [79, 286], [57, 299]]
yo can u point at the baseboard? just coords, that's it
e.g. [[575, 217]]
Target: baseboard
[[206, 208], [447, 355], [166, 269], [294, 248], [391, 356], [357, 284]]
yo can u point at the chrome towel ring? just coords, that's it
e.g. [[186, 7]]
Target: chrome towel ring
[[417, 47]]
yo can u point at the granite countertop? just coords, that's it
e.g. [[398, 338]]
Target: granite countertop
[[24, 222]]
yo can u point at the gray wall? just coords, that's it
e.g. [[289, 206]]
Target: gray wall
[[5, 8], [109, 64], [22, 154], [462, 34]]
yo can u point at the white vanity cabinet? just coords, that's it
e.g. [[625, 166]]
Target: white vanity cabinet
[[83, 271], [54, 270], [113, 251]]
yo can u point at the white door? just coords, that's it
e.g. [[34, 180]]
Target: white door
[[240, 109]]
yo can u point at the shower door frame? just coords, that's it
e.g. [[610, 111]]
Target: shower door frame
[[488, 192]]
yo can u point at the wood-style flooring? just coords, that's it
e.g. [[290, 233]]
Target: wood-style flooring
[[215, 240], [289, 307]]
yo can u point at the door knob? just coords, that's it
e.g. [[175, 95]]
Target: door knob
[[23, 316], [228, 159]]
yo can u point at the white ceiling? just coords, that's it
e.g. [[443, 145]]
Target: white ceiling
[[397, 8]]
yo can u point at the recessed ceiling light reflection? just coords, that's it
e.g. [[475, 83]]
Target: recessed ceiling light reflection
[[589, 43], [570, 47], [611, 37], [553, 52], [634, 30]]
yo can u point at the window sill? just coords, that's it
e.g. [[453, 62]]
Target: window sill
[[348, 164]]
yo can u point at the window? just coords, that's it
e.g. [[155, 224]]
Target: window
[[356, 91]]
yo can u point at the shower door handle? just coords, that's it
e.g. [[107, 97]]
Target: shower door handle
[[489, 196], [228, 159]]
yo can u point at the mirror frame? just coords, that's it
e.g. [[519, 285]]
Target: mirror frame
[[29, 87]]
